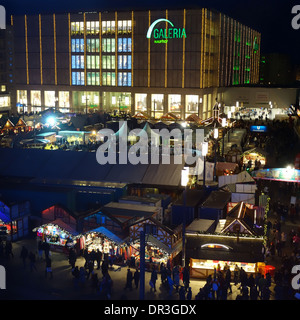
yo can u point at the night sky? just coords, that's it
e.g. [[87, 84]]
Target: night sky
[[270, 17]]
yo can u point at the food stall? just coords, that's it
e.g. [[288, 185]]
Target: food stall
[[207, 252], [254, 154], [58, 234], [156, 252], [100, 238]]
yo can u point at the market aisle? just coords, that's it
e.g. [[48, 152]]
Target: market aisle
[[26, 285]]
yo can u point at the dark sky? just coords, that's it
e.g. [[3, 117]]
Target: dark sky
[[270, 17]]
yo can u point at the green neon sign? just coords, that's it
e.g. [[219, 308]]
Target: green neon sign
[[162, 35]]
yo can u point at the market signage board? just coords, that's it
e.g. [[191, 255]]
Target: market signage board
[[280, 174], [162, 35], [258, 129]]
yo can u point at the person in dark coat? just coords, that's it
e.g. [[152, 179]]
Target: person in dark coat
[[129, 280], [136, 278], [154, 278]]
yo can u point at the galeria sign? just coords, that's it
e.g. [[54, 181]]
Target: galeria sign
[[161, 35]]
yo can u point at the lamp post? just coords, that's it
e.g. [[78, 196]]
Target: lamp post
[[224, 123], [216, 135], [142, 264], [204, 153], [184, 183]]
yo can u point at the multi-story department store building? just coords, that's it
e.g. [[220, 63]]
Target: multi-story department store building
[[151, 61]]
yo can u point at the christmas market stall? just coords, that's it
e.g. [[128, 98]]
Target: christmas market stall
[[100, 239], [161, 242], [58, 234], [237, 242], [255, 158], [14, 220]]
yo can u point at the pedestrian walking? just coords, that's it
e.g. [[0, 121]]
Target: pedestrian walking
[[98, 258], [76, 274], [24, 254], [40, 250], [181, 293], [8, 250], [72, 258], [48, 268], [128, 280], [153, 279], [31, 257], [189, 294], [136, 278]]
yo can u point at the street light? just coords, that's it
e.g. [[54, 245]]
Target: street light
[[204, 154], [224, 124], [184, 183], [216, 136]]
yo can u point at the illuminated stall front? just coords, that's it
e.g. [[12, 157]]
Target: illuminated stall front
[[253, 155], [208, 253], [161, 243], [58, 234], [100, 239]]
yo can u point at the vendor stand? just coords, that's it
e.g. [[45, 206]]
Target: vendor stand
[[210, 252], [253, 156], [100, 239], [58, 234], [156, 252]]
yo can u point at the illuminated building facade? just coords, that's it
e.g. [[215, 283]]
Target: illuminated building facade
[[150, 61]]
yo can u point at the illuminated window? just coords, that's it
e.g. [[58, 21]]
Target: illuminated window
[[92, 45], [124, 26], [92, 62], [141, 102], [108, 78], [108, 27], [174, 103], [78, 62], [77, 28], [191, 104], [124, 44], [108, 45], [64, 99], [78, 78], [124, 79], [93, 78], [49, 99], [108, 62], [92, 27], [124, 62], [22, 96], [35, 98], [77, 45]]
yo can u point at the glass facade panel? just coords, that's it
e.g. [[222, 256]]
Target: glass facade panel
[[191, 105], [85, 101], [64, 101], [157, 105], [35, 98], [116, 101], [141, 102], [174, 103], [49, 98], [22, 97]]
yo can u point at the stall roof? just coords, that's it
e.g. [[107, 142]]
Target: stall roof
[[73, 165], [200, 225], [62, 225], [151, 239], [106, 233], [129, 209], [193, 198], [217, 200], [243, 215]]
